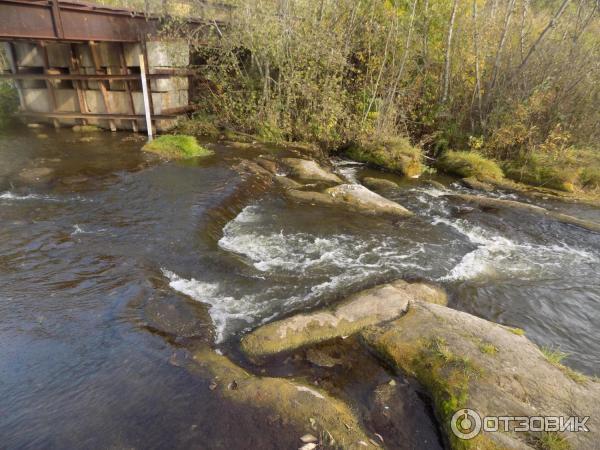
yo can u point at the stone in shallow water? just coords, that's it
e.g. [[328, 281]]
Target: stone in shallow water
[[378, 183], [362, 309], [36, 174], [308, 170]]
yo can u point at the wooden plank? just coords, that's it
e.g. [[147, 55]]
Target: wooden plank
[[74, 67], [49, 85], [102, 83], [102, 116], [125, 70], [78, 76]]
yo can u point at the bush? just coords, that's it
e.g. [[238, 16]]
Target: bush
[[590, 178], [199, 125], [469, 164], [176, 147], [395, 154], [539, 170], [9, 102]]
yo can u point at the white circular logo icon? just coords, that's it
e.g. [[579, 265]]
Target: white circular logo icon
[[465, 424]]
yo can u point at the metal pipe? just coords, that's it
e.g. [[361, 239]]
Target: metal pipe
[[146, 98]]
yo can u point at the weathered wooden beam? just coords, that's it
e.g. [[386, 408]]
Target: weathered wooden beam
[[74, 68], [101, 116], [82, 76], [102, 84], [128, 89], [49, 85]]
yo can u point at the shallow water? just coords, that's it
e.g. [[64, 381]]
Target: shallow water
[[107, 280]]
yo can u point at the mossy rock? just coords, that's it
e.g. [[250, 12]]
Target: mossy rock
[[305, 407], [368, 307], [469, 165], [538, 169], [86, 129], [395, 154], [442, 348], [176, 147]]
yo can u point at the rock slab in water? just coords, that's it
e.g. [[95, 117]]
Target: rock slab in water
[[355, 197], [378, 183], [360, 310], [297, 404], [36, 174], [497, 203], [467, 362], [308, 170]]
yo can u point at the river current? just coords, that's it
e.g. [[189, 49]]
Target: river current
[[112, 265]]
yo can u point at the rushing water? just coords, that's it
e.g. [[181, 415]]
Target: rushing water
[[111, 266]]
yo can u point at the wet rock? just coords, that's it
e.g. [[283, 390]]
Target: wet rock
[[308, 438], [474, 183], [378, 183], [174, 316], [36, 174], [496, 203], [436, 184], [293, 402], [321, 358], [354, 197], [35, 125], [381, 303], [268, 164], [443, 349], [86, 129], [75, 179], [308, 170], [287, 183]]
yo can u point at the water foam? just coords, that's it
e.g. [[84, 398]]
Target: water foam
[[12, 196]]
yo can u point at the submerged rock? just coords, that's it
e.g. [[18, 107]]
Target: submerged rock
[[378, 183], [36, 174], [354, 197], [467, 362], [360, 310], [474, 183], [308, 170], [496, 203], [302, 406]]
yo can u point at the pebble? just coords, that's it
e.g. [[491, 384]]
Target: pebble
[[307, 438]]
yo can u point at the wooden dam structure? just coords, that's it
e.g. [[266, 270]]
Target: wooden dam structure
[[75, 63]]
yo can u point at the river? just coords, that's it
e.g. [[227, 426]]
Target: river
[[113, 266]]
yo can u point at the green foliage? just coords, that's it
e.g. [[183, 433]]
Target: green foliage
[[517, 331], [395, 154], [469, 164], [488, 348], [540, 170], [9, 103], [198, 125], [86, 128], [590, 178], [176, 147], [553, 355]]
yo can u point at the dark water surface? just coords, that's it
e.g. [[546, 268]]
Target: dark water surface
[[112, 267]]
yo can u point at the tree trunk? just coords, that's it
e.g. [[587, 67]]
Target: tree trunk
[[446, 79]]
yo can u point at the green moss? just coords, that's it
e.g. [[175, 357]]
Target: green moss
[[549, 441], [86, 128], [469, 164], [517, 331], [176, 147], [395, 154], [488, 348], [555, 357]]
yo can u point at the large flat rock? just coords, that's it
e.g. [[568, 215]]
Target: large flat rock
[[362, 309], [354, 197], [309, 170], [467, 362]]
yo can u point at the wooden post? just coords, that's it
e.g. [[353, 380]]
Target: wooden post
[[74, 68], [146, 98], [102, 84], [125, 71], [12, 60], [49, 85]]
